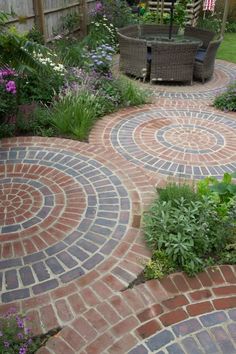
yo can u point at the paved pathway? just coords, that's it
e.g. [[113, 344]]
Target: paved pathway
[[71, 242]]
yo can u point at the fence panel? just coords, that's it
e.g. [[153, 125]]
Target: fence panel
[[53, 13]]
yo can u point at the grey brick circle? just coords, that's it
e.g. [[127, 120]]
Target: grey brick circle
[[178, 142], [85, 231]]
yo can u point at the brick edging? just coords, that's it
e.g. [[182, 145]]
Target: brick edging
[[121, 321]]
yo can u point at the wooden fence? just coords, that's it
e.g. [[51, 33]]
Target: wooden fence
[[193, 8], [47, 14]]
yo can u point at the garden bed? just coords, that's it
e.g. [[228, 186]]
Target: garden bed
[[191, 227]]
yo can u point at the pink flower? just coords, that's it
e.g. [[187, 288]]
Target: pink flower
[[11, 87], [98, 7]]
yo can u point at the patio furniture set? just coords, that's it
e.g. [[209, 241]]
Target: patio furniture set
[[146, 51]]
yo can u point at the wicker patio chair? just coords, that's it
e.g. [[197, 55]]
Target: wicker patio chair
[[173, 61], [205, 36], [133, 56], [205, 61], [130, 31], [153, 30]]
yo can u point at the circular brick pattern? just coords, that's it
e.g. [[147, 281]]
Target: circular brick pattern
[[62, 213], [184, 143], [224, 75], [209, 333]]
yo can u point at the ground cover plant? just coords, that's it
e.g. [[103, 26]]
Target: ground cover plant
[[189, 227], [16, 336], [227, 100]]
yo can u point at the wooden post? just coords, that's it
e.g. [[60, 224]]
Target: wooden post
[[162, 11], [225, 15], [39, 16], [158, 4], [83, 17]]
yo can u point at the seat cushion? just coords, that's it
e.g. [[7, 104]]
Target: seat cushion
[[149, 57], [200, 55]]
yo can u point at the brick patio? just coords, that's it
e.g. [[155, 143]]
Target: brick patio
[[71, 241]]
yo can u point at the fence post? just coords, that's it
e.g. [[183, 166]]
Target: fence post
[[83, 17], [225, 15], [39, 16]]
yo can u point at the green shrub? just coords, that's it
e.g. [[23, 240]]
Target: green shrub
[[70, 52], [191, 226], [118, 12], [173, 192], [227, 100], [7, 130], [69, 22], [131, 94], [211, 23], [35, 35], [40, 123], [224, 189], [75, 114], [231, 27]]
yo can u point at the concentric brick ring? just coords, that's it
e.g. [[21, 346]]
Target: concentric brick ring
[[209, 333], [76, 212], [184, 143], [18, 202], [224, 75]]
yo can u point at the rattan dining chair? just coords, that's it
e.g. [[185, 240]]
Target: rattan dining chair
[[204, 35], [133, 56], [130, 31], [173, 61], [205, 61]]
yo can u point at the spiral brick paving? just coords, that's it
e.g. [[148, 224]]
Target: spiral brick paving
[[181, 142], [70, 236]]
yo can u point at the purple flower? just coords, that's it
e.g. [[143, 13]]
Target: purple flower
[[98, 7], [1, 334], [20, 324], [20, 335], [6, 344], [23, 350], [11, 87], [6, 72]]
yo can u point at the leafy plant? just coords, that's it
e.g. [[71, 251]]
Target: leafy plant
[[101, 31], [152, 17], [173, 192], [16, 51], [227, 100], [180, 12], [39, 123], [131, 94], [14, 336], [74, 115], [34, 35], [211, 23], [69, 22], [159, 266], [7, 130], [231, 27], [118, 12], [188, 227], [224, 189]]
